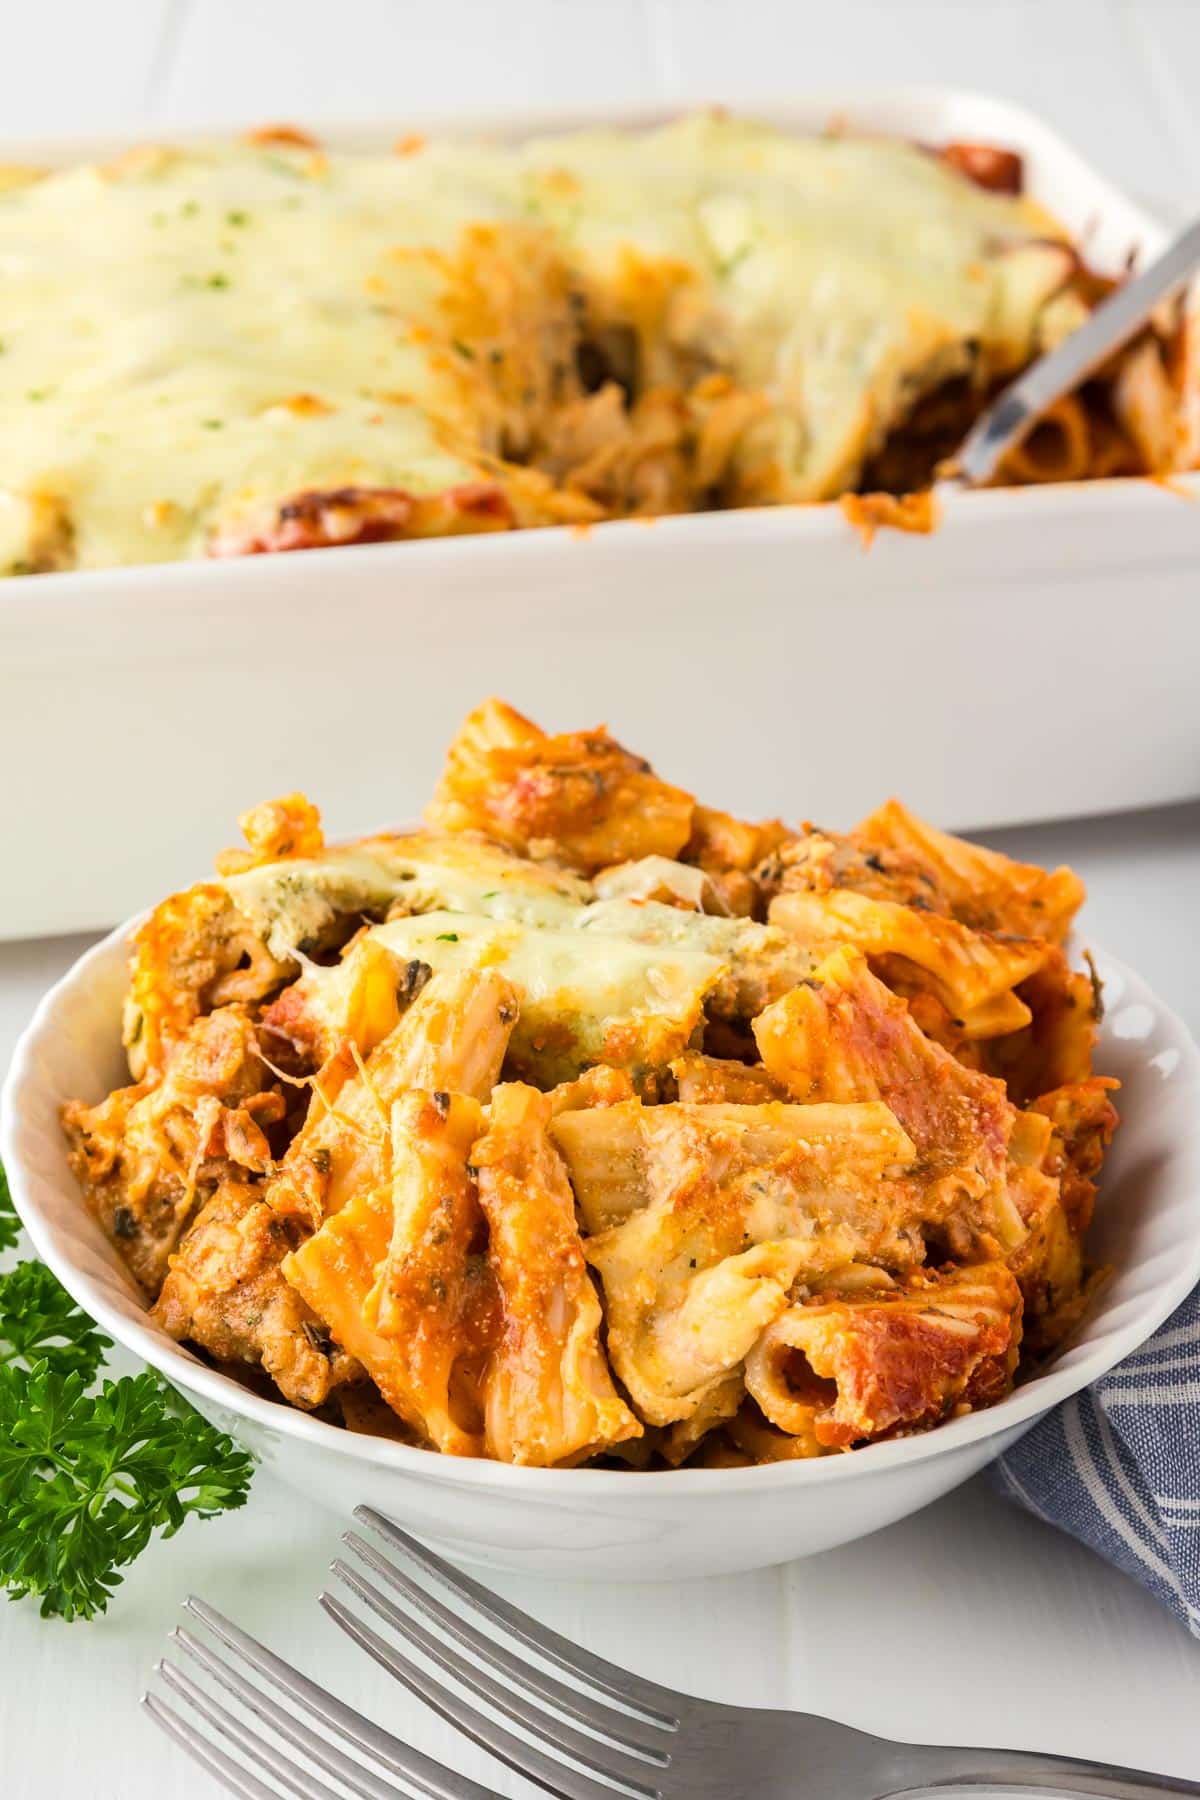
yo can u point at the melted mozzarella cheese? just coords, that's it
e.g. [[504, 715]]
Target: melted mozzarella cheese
[[617, 981], [627, 1004], [191, 334], [189, 337], [844, 275], [290, 904]]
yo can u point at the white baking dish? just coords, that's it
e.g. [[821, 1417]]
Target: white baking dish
[[1035, 657]]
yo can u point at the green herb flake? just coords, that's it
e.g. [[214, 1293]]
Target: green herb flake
[[726, 265], [463, 350], [446, 937], [189, 209], [277, 160], [237, 218], [213, 424], [38, 394], [217, 281]]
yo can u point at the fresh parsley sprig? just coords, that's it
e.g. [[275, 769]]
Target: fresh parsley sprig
[[10, 1225], [39, 1322], [87, 1479], [88, 1476]]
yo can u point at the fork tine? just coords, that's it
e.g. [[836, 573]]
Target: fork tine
[[625, 1728], [231, 1775], [296, 1782], [402, 1759], [562, 1779], [661, 1705], [592, 1752], [334, 1761]]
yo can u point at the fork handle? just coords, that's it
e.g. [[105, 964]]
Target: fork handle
[[1029, 1772]]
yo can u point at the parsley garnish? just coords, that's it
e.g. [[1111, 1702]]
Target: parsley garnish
[[88, 1477], [446, 937], [237, 218], [213, 424], [10, 1225], [39, 1322], [217, 281]]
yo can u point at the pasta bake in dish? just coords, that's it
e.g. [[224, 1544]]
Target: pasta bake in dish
[[267, 346], [592, 1122]]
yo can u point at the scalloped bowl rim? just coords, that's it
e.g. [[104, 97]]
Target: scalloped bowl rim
[[1077, 1366]]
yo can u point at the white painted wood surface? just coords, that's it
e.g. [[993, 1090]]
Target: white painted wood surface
[[969, 1622]]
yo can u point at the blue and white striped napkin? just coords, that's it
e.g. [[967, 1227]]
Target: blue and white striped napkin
[[1118, 1466]]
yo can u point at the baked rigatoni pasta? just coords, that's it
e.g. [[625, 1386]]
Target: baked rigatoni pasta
[[592, 1123], [458, 337]]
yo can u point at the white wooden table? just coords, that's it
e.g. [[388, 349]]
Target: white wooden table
[[970, 1621]]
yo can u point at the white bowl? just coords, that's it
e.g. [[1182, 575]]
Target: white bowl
[[606, 1524]]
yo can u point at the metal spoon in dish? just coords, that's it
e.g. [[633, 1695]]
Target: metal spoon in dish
[[1116, 320]]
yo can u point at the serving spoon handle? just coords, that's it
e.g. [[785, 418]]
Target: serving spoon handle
[[1117, 319]]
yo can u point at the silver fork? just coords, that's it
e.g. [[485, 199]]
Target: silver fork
[[610, 1735], [320, 1727]]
